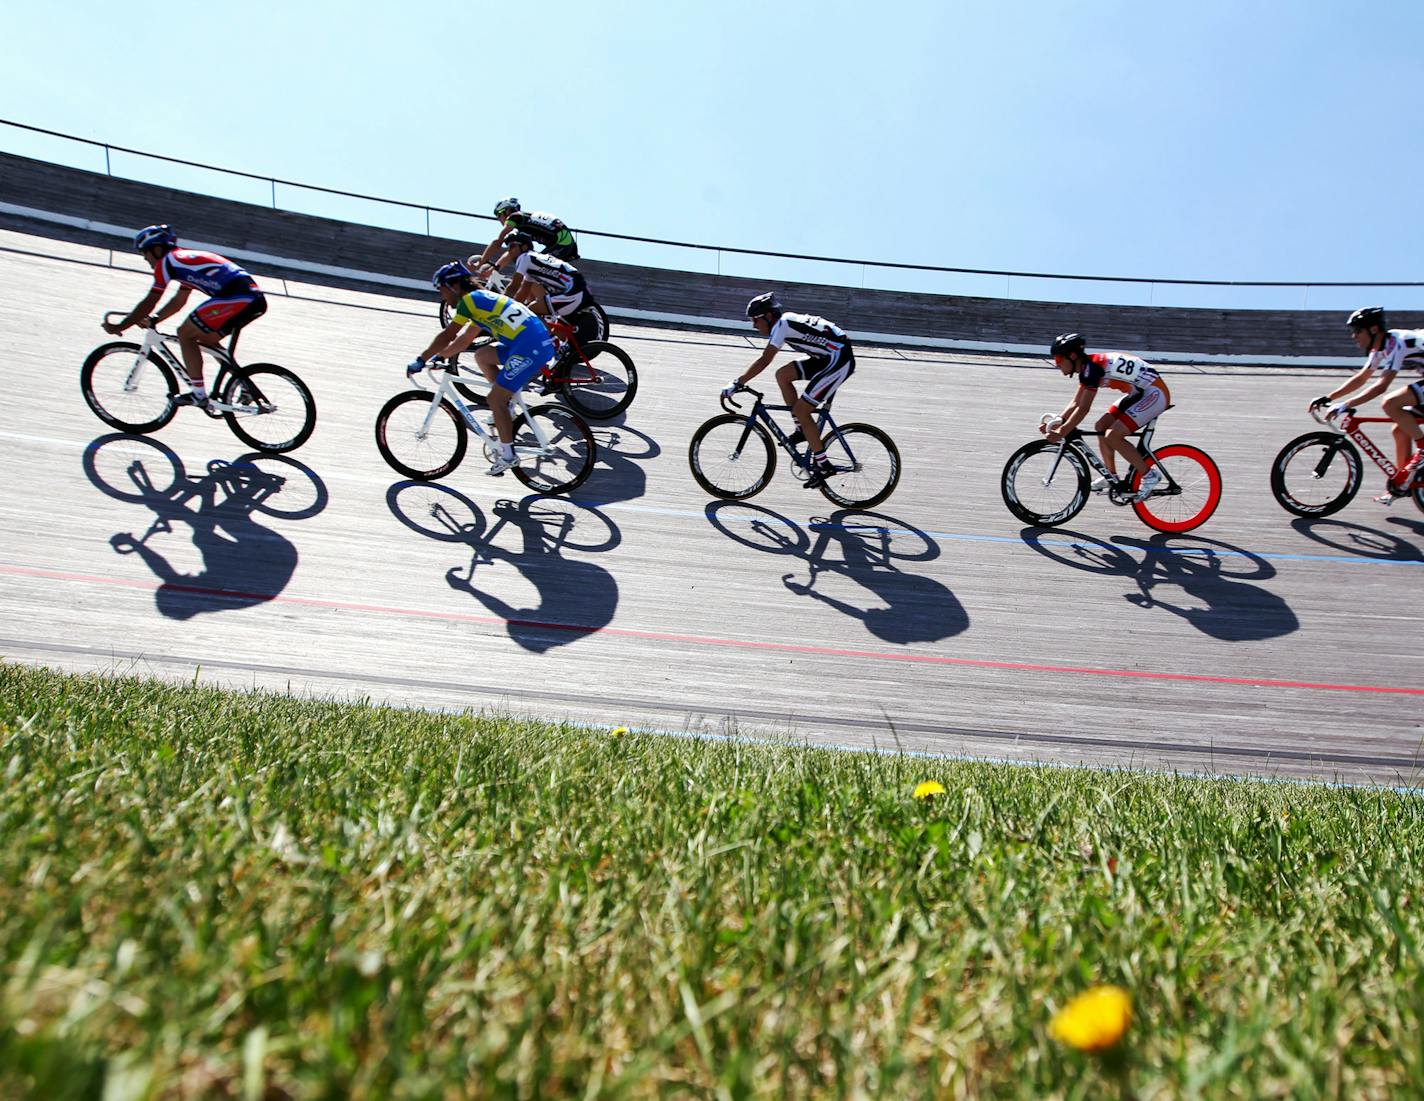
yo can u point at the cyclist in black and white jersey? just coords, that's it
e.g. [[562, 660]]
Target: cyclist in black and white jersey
[[548, 284], [550, 232], [1388, 351], [829, 362]]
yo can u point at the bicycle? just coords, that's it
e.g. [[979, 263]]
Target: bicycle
[[133, 386], [732, 455], [1046, 482], [1319, 473], [424, 434]]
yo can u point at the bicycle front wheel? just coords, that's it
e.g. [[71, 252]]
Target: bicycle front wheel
[[731, 457], [1187, 495], [1042, 490], [126, 389], [602, 384], [417, 449], [275, 412], [565, 461], [867, 466], [1316, 474]]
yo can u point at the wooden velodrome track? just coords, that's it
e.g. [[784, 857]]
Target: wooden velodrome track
[[1259, 644]]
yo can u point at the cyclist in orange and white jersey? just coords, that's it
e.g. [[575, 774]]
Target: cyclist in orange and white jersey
[[1147, 399], [1389, 351], [235, 300]]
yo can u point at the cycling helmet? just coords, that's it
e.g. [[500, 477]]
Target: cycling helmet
[[1068, 344], [153, 236], [453, 272], [1366, 316], [763, 304], [518, 238], [506, 206]]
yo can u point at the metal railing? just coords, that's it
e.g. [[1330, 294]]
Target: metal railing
[[718, 255]]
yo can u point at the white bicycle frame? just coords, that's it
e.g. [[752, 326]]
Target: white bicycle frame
[[445, 391], [157, 343]]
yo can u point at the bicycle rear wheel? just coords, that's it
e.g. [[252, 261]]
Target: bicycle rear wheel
[[1187, 497], [601, 385], [1316, 474], [126, 389], [731, 457], [1032, 496], [867, 466], [276, 410], [409, 447], [590, 324], [566, 463]]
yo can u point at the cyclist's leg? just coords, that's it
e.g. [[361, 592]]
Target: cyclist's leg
[[1408, 432], [519, 361], [820, 388], [216, 319]]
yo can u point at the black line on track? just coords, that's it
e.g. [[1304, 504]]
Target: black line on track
[[1407, 765]]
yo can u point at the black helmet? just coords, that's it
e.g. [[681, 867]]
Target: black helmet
[[763, 304], [1068, 344], [518, 238], [1365, 317]]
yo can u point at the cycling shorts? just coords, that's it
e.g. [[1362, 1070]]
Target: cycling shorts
[[572, 302], [1416, 390], [824, 375], [1142, 408], [235, 305], [564, 251], [522, 358]]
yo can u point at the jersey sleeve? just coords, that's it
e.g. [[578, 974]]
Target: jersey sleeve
[[777, 337], [1091, 376], [160, 273], [521, 266]]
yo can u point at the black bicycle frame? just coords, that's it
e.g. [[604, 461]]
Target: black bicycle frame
[[1143, 438], [761, 411]]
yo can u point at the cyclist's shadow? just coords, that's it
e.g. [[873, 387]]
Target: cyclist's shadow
[[243, 562], [1366, 542], [621, 450], [1212, 574], [575, 598], [860, 546]]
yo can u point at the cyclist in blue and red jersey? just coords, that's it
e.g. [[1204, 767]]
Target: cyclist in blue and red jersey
[[1388, 352], [520, 350], [234, 300], [1147, 399]]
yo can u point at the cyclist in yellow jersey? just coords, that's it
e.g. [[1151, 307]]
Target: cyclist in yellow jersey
[[520, 349]]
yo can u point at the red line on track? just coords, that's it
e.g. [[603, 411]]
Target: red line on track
[[709, 640]]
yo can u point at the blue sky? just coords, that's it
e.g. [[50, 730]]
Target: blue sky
[[1241, 140]]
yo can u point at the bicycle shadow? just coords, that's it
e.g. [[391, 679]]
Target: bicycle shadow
[[1212, 577], [1366, 542], [243, 563], [574, 598], [859, 546], [621, 451]]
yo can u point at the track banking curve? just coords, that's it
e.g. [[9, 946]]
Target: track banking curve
[[1259, 644]]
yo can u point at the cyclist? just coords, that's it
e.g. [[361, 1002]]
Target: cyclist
[[520, 349], [829, 361], [1389, 351], [1147, 398], [234, 301], [543, 281], [547, 230]]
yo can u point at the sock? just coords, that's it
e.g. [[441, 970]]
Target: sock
[[819, 458], [199, 391], [506, 451]]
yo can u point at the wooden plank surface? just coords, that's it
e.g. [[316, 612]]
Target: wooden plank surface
[[1259, 644]]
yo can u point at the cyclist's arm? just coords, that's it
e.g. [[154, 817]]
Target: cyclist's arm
[[446, 337], [144, 307], [516, 287], [174, 304], [1074, 412], [759, 364], [1369, 393], [462, 341], [492, 249]]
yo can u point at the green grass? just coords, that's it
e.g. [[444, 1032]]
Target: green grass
[[206, 894]]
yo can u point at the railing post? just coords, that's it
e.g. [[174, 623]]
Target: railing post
[[273, 182], [1305, 298], [108, 167], [427, 221]]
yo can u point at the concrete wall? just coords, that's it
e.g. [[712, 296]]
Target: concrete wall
[[94, 204]]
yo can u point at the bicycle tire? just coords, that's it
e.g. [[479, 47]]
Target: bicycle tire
[[1029, 499], [868, 465], [572, 450], [610, 392], [284, 427], [445, 314], [1198, 478], [723, 461], [407, 452], [1316, 474], [109, 370]]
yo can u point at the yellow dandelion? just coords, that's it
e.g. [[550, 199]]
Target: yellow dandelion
[[925, 788], [619, 731], [1095, 1020]]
